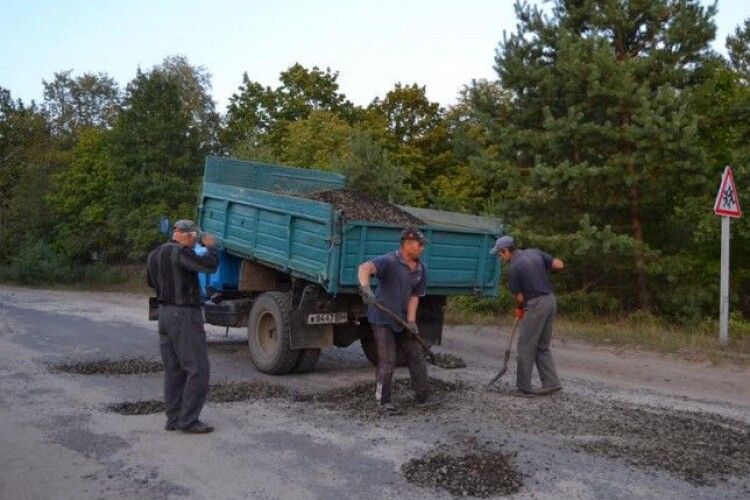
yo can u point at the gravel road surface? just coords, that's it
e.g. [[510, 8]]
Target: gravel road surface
[[627, 425]]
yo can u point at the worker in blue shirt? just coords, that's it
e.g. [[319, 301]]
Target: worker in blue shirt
[[536, 306], [402, 280]]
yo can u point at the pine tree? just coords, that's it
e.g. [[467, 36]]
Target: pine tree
[[596, 146]]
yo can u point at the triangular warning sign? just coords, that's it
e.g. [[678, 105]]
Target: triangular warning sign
[[727, 201]]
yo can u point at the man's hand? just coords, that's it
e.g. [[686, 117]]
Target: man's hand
[[519, 312], [413, 328], [208, 240], [368, 296]]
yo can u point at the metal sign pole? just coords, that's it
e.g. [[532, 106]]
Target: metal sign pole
[[724, 290]]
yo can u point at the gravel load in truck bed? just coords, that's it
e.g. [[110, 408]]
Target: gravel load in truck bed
[[359, 206]]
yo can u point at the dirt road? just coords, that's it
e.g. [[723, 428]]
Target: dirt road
[[627, 425]]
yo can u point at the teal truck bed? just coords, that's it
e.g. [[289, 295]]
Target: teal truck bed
[[259, 213], [288, 264]]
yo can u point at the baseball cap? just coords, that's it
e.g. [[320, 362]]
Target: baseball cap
[[502, 242], [186, 226], [413, 233]]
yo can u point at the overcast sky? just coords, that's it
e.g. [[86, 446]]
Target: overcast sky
[[373, 44]]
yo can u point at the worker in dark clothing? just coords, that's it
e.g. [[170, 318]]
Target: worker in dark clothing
[[402, 280], [529, 283], [173, 272]]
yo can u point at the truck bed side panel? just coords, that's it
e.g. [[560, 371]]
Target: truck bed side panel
[[458, 262], [290, 233]]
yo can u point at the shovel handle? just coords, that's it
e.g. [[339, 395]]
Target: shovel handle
[[403, 323], [506, 358]]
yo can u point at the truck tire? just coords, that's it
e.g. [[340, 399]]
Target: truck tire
[[308, 358], [371, 350], [269, 332]]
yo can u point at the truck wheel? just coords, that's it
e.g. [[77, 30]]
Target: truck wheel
[[269, 332], [308, 358], [371, 349]]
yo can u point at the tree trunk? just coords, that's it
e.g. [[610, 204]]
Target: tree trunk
[[636, 227], [641, 292]]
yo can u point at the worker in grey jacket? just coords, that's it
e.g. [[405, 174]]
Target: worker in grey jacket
[[529, 283], [173, 272]]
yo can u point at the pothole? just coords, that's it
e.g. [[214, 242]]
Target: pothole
[[132, 366], [359, 400], [223, 392], [699, 447], [449, 361], [481, 473]]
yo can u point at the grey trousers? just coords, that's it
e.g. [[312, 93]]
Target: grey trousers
[[387, 342], [534, 342], [182, 341]]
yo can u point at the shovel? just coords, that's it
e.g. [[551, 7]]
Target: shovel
[[403, 323], [506, 358]]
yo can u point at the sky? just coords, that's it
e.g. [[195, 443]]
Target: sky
[[372, 44]]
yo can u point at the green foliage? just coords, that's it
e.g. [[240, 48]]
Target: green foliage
[[601, 141], [86, 101], [37, 263]]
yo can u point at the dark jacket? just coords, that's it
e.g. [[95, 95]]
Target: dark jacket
[[173, 272]]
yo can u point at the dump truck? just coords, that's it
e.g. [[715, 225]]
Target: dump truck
[[288, 263]]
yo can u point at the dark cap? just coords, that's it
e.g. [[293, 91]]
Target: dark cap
[[413, 233], [502, 243], [186, 226]]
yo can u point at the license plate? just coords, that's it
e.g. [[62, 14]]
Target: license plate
[[326, 318]]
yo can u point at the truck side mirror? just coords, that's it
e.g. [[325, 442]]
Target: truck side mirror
[[165, 226]]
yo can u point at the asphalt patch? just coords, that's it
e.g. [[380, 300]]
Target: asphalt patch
[[449, 361], [481, 473], [359, 400], [702, 448], [223, 392], [359, 206], [111, 367]]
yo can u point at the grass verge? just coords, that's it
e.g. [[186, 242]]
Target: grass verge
[[696, 342]]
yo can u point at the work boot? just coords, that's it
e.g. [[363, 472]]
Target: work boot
[[389, 408], [522, 394], [546, 391], [198, 428], [429, 400]]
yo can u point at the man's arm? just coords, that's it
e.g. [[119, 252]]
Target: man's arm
[[365, 272], [207, 263], [411, 309]]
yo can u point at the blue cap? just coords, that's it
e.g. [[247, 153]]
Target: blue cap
[[502, 242]]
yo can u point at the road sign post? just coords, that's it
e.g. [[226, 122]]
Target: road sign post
[[727, 205]]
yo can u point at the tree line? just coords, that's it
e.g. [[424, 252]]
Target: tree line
[[602, 139]]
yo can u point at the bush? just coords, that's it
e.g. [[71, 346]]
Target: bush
[[101, 274], [38, 263], [587, 304]]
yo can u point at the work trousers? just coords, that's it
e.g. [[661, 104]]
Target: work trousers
[[388, 342], [534, 342], [182, 341]]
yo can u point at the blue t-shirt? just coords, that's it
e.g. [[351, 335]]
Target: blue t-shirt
[[528, 273], [397, 283]]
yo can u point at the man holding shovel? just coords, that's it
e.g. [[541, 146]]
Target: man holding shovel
[[529, 283], [402, 280]]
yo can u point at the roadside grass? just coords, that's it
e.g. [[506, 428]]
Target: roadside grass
[[637, 331]]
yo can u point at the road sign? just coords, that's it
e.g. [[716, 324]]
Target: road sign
[[727, 205], [727, 202]]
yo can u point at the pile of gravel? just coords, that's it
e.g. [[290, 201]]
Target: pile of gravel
[[230, 392], [699, 447], [359, 206], [479, 474], [223, 392], [147, 407], [359, 400], [449, 361], [110, 367]]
